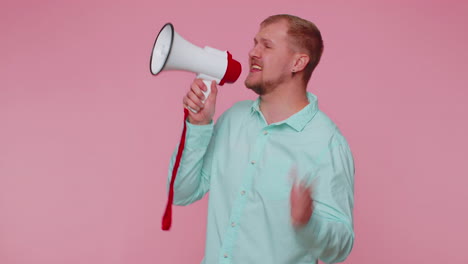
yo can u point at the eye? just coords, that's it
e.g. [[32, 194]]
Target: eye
[[267, 44]]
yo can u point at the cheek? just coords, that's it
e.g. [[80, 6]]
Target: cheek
[[273, 64], [282, 61], [277, 66]]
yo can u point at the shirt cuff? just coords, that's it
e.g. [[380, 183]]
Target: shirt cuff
[[198, 136]]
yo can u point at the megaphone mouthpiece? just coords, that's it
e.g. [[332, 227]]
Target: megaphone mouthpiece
[[233, 70]]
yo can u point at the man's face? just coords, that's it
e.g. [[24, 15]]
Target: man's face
[[270, 59]]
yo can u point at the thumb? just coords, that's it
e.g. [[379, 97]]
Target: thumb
[[214, 91]]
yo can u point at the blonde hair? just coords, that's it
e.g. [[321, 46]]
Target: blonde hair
[[305, 36]]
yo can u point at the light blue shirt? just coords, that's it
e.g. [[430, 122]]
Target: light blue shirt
[[245, 164]]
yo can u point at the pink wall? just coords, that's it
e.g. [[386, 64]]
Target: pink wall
[[86, 131]]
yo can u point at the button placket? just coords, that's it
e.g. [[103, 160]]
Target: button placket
[[241, 201]]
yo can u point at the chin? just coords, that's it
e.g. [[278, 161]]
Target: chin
[[257, 88], [255, 85], [251, 83]]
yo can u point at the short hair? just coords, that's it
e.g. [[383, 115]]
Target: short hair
[[305, 36]]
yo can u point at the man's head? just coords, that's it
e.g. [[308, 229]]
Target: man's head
[[285, 47]]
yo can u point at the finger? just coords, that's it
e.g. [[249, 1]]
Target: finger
[[201, 84], [189, 104], [304, 186], [305, 191], [197, 87], [195, 99], [300, 192], [192, 112]]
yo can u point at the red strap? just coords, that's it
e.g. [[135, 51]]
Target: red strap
[[167, 218]]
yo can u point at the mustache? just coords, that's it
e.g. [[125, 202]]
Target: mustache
[[256, 62]]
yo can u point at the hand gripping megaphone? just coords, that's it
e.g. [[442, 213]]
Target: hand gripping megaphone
[[172, 52]]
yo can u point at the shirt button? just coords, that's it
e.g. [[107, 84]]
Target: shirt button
[[233, 224], [243, 193], [225, 255], [265, 132], [253, 162]]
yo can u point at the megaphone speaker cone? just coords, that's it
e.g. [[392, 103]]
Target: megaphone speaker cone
[[162, 48]]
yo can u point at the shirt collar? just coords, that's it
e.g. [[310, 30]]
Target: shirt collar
[[300, 119]]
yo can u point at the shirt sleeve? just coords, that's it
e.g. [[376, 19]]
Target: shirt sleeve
[[192, 179], [329, 234]]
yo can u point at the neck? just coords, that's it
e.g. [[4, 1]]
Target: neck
[[283, 102]]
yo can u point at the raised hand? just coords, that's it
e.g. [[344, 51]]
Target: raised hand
[[301, 203], [201, 109]]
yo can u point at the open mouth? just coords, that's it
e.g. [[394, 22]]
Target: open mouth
[[255, 68]]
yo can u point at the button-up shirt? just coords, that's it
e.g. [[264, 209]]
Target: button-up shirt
[[246, 165]]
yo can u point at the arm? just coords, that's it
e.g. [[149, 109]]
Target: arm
[[329, 231], [192, 179]]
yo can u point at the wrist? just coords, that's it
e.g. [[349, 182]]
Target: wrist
[[198, 123]]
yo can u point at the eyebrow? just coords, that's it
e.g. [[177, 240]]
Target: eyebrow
[[263, 40]]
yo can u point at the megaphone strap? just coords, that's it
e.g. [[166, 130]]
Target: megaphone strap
[[167, 218]]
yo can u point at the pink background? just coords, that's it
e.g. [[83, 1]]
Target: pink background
[[86, 132]]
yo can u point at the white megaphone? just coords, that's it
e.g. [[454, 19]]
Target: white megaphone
[[172, 52]]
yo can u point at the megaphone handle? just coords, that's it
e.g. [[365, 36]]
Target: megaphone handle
[[207, 93]]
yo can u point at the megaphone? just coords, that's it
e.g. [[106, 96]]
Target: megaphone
[[172, 52]]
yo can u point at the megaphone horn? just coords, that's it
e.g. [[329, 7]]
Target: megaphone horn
[[172, 52]]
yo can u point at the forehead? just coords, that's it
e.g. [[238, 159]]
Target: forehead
[[275, 31]]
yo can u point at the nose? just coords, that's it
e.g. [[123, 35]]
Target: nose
[[254, 52]]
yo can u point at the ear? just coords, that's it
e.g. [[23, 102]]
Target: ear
[[300, 62]]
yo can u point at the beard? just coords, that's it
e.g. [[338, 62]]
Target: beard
[[263, 87], [258, 88]]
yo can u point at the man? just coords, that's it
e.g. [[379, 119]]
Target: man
[[279, 172]]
